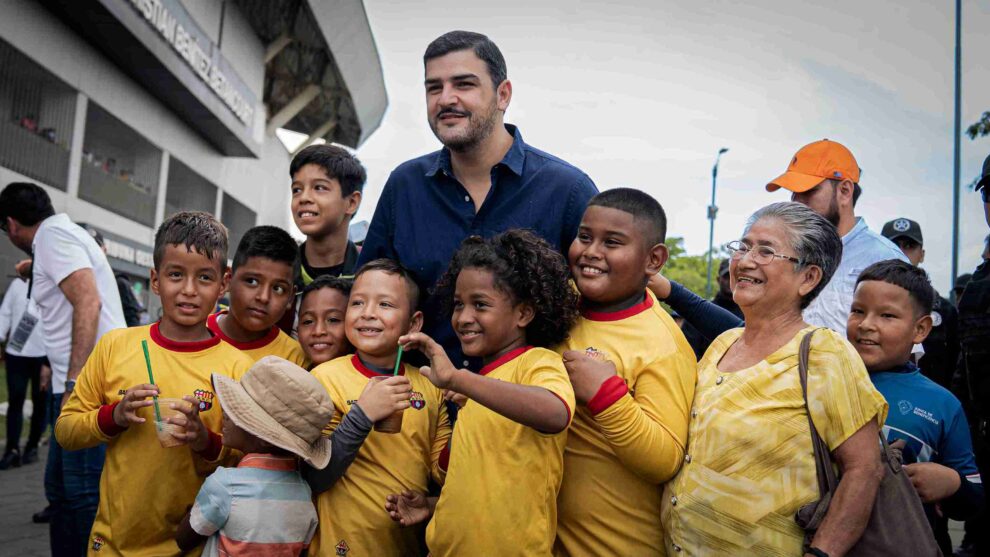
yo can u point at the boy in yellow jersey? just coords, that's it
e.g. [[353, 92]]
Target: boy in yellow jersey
[[633, 375], [146, 489], [260, 291], [509, 299], [382, 308]]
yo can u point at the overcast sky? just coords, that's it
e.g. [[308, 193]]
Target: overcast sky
[[643, 94]]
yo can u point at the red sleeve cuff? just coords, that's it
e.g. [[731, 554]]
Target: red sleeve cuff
[[104, 419], [611, 390], [213, 446], [566, 407], [444, 457]]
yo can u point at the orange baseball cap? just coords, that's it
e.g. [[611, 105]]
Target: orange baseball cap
[[815, 162]]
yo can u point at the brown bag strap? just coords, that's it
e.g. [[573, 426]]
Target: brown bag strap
[[827, 482]]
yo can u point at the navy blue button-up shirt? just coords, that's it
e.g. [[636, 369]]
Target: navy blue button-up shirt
[[425, 213]]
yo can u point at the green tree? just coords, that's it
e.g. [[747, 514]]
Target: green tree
[[980, 128], [689, 270]]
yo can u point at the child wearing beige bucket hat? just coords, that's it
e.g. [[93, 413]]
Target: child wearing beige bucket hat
[[274, 415]]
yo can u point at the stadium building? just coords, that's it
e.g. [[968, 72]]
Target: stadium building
[[129, 110]]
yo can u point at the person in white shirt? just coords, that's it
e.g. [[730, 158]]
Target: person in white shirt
[[76, 293], [24, 355]]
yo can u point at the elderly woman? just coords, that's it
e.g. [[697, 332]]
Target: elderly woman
[[749, 464]]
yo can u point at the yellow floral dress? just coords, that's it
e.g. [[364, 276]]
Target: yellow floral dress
[[749, 464]]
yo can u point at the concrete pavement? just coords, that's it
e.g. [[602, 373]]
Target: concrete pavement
[[22, 493]]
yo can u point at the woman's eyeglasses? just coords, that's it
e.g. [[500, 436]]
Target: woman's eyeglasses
[[762, 255]]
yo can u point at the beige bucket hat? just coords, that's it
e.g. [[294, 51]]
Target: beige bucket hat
[[281, 403]]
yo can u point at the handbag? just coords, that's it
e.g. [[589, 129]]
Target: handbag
[[897, 525]]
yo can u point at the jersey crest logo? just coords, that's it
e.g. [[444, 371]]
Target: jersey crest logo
[[417, 401], [98, 543], [905, 407], [596, 354], [342, 548], [205, 399]]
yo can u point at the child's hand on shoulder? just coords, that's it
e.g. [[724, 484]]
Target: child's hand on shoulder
[[194, 431], [932, 481], [408, 508], [441, 371], [457, 398], [382, 397], [125, 413], [587, 373]]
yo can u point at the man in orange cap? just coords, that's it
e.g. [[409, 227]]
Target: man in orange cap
[[824, 176]]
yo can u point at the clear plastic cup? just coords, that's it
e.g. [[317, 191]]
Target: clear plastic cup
[[391, 424], [163, 429]]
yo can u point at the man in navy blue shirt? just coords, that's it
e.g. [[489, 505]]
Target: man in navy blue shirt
[[485, 180]]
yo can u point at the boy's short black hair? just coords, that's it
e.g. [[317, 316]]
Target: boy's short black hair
[[337, 162], [197, 230], [481, 45], [24, 202], [393, 267], [646, 210], [342, 285], [270, 242], [907, 276]]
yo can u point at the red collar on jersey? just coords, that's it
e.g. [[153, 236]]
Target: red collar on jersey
[[213, 323], [636, 309], [176, 346], [368, 372], [504, 359]]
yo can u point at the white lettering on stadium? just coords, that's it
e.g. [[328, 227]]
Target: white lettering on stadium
[[124, 252], [188, 48]]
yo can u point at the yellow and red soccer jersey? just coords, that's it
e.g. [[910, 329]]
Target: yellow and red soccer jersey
[[630, 438], [275, 343], [500, 494], [145, 489], [352, 516]]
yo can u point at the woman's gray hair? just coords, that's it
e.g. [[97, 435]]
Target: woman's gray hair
[[815, 240]]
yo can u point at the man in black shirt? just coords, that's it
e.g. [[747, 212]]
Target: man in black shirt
[[942, 345], [974, 367]]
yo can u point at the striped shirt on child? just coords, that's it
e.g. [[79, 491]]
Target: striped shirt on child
[[262, 507]]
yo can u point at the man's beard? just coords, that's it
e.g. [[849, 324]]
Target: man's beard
[[479, 127], [832, 213]]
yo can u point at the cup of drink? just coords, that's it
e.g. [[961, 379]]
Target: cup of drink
[[391, 424], [164, 429]]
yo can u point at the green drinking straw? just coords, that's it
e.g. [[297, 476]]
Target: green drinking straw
[[398, 361], [151, 378]]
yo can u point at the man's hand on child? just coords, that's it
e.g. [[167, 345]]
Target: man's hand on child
[[441, 371], [587, 373], [194, 431], [932, 481], [125, 413], [408, 508], [383, 397]]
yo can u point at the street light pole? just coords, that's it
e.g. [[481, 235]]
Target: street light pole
[[712, 210], [957, 132]]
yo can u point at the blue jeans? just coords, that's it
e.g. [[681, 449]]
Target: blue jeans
[[72, 487]]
